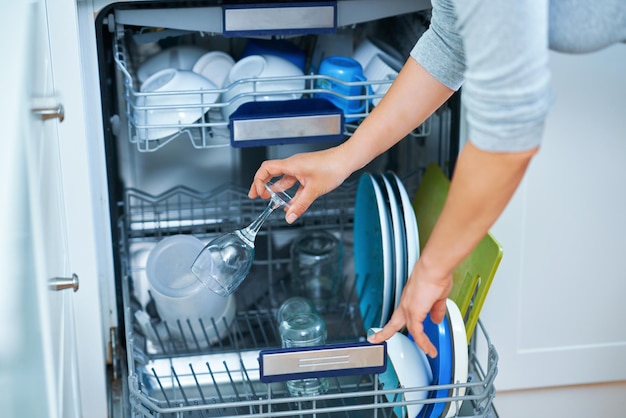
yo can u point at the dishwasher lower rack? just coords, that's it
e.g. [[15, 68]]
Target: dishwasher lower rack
[[202, 376]]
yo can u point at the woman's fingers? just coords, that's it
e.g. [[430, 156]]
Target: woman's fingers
[[316, 172], [422, 341], [304, 198], [415, 327], [395, 324], [438, 311]]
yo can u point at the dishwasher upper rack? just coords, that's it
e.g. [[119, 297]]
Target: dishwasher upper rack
[[223, 380], [212, 129]]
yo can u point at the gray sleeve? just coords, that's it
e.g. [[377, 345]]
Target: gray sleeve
[[504, 45], [440, 50]]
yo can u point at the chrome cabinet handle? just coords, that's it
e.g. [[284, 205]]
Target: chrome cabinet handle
[[60, 283], [51, 112]]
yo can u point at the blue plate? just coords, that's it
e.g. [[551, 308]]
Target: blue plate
[[373, 261], [442, 366]]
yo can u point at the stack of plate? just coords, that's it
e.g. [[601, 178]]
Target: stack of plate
[[386, 245], [386, 248]]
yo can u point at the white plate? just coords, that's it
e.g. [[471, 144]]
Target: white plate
[[459, 348], [372, 253], [371, 47], [379, 69], [412, 232], [408, 368], [399, 236]]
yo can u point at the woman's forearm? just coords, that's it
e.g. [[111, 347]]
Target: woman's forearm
[[412, 98], [482, 185]]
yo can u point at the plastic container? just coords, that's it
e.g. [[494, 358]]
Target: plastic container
[[179, 296]]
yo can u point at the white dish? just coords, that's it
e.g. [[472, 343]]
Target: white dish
[[461, 355], [371, 47], [399, 239], [412, 231], [379, 68], [372, 253], [241, 81], [163, 107], [181, 57], [408, 368], [215, 66]]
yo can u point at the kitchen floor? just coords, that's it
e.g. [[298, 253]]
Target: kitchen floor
[[597, 400]]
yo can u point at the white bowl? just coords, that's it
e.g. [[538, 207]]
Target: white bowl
[[215, 66], [181, 57], [164, 107], [177, 293], [409, 368], [261, 66]]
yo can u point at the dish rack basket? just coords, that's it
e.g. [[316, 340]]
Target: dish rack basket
[[197, 377], [212, 129]]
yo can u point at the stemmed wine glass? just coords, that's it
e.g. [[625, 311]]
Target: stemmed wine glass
[[225, 262]]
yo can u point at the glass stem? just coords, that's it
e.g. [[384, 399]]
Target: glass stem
[[249, 233]]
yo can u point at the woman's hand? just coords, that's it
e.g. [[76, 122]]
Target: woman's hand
[[318, 173], [424, 293]]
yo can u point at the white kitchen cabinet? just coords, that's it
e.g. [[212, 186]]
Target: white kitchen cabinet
[[556, 308], [42, 361], [54, 364]]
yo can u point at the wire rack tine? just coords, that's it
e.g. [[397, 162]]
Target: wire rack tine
[[161, 387], [180, 387], [215, 385]]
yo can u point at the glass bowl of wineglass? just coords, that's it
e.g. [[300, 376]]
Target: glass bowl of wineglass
[[224, 263]]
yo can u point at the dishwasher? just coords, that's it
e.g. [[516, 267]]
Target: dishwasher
[[193, 181]]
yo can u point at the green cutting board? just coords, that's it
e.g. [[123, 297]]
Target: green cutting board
[[473, 276]]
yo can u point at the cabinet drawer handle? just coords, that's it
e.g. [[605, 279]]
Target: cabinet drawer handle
[[51, 112], [60, 283]]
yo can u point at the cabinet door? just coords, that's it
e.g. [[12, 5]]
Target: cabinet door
[[42, 361], [556, 308]]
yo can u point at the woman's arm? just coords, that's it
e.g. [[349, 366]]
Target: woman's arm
[[481, 187], [506, 96]]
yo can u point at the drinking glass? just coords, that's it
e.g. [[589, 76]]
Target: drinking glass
[[316, 267], [293, 306], [304, 329], [224, 263]]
